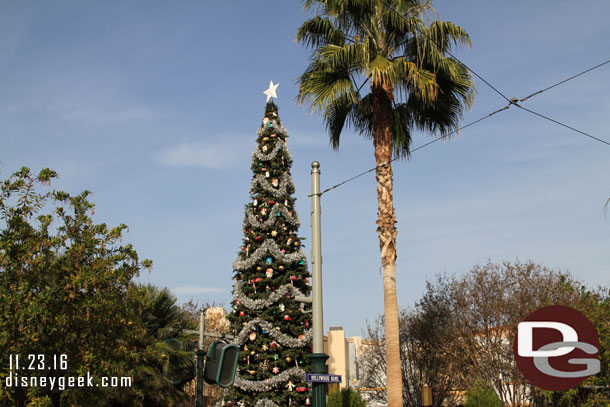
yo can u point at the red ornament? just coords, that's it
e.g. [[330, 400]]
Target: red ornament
[[301, 389], [241, 313], [257, 280], [287, 318]]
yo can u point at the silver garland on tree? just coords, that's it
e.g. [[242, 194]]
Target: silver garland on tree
[[265, 403], [252, 220], [279, 128], [281, 338], [269, 247], [261, 180], [259, 403], [262, 303], [279, 146], [266, 385]]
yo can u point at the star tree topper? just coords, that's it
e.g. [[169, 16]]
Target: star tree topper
[[271, 91]]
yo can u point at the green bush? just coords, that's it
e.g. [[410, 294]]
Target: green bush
[[482, 395], [345, 398]]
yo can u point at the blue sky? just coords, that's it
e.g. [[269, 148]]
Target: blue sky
[[154, 106]]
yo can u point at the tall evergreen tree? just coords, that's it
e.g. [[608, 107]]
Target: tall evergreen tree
[[271, 328]]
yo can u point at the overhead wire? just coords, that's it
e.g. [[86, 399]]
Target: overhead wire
[[565, 80], [561, 124], [513, 101], [412, 151], [389, 6]]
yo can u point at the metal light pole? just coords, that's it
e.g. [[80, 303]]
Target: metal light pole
[[318, 357], [200, 355], [426, 396]]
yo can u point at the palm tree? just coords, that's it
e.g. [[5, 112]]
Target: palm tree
[[164, 365], [413, 84]]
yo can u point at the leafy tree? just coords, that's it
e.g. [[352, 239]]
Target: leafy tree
[[65, 288], [593, 392], [425, 333], [412, 84], [482, 395], [461, 332], [346, 397]]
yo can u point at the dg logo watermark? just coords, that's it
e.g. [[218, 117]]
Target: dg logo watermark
[[556, 348]]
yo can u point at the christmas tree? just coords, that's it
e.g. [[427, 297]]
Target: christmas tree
[[271, 328]]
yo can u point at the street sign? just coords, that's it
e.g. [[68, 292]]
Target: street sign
[[323, 378]]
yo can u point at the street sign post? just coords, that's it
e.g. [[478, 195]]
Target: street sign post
[[318, 357]]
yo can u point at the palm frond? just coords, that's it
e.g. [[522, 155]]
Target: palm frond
[[411, 78], [318, 32], [345, 56], [402, 124], [335, 116], [321, 86], [361, 118], [381, 70], [445, 33], [392, 43]]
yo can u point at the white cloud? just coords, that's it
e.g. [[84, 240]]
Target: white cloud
[[206, 155], [189, 290]]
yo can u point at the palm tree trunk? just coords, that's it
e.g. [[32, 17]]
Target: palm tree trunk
[[386, 229]]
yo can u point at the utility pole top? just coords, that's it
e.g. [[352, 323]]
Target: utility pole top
[[315, 165]]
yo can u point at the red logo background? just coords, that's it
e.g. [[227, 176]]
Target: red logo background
[[542, 336]]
